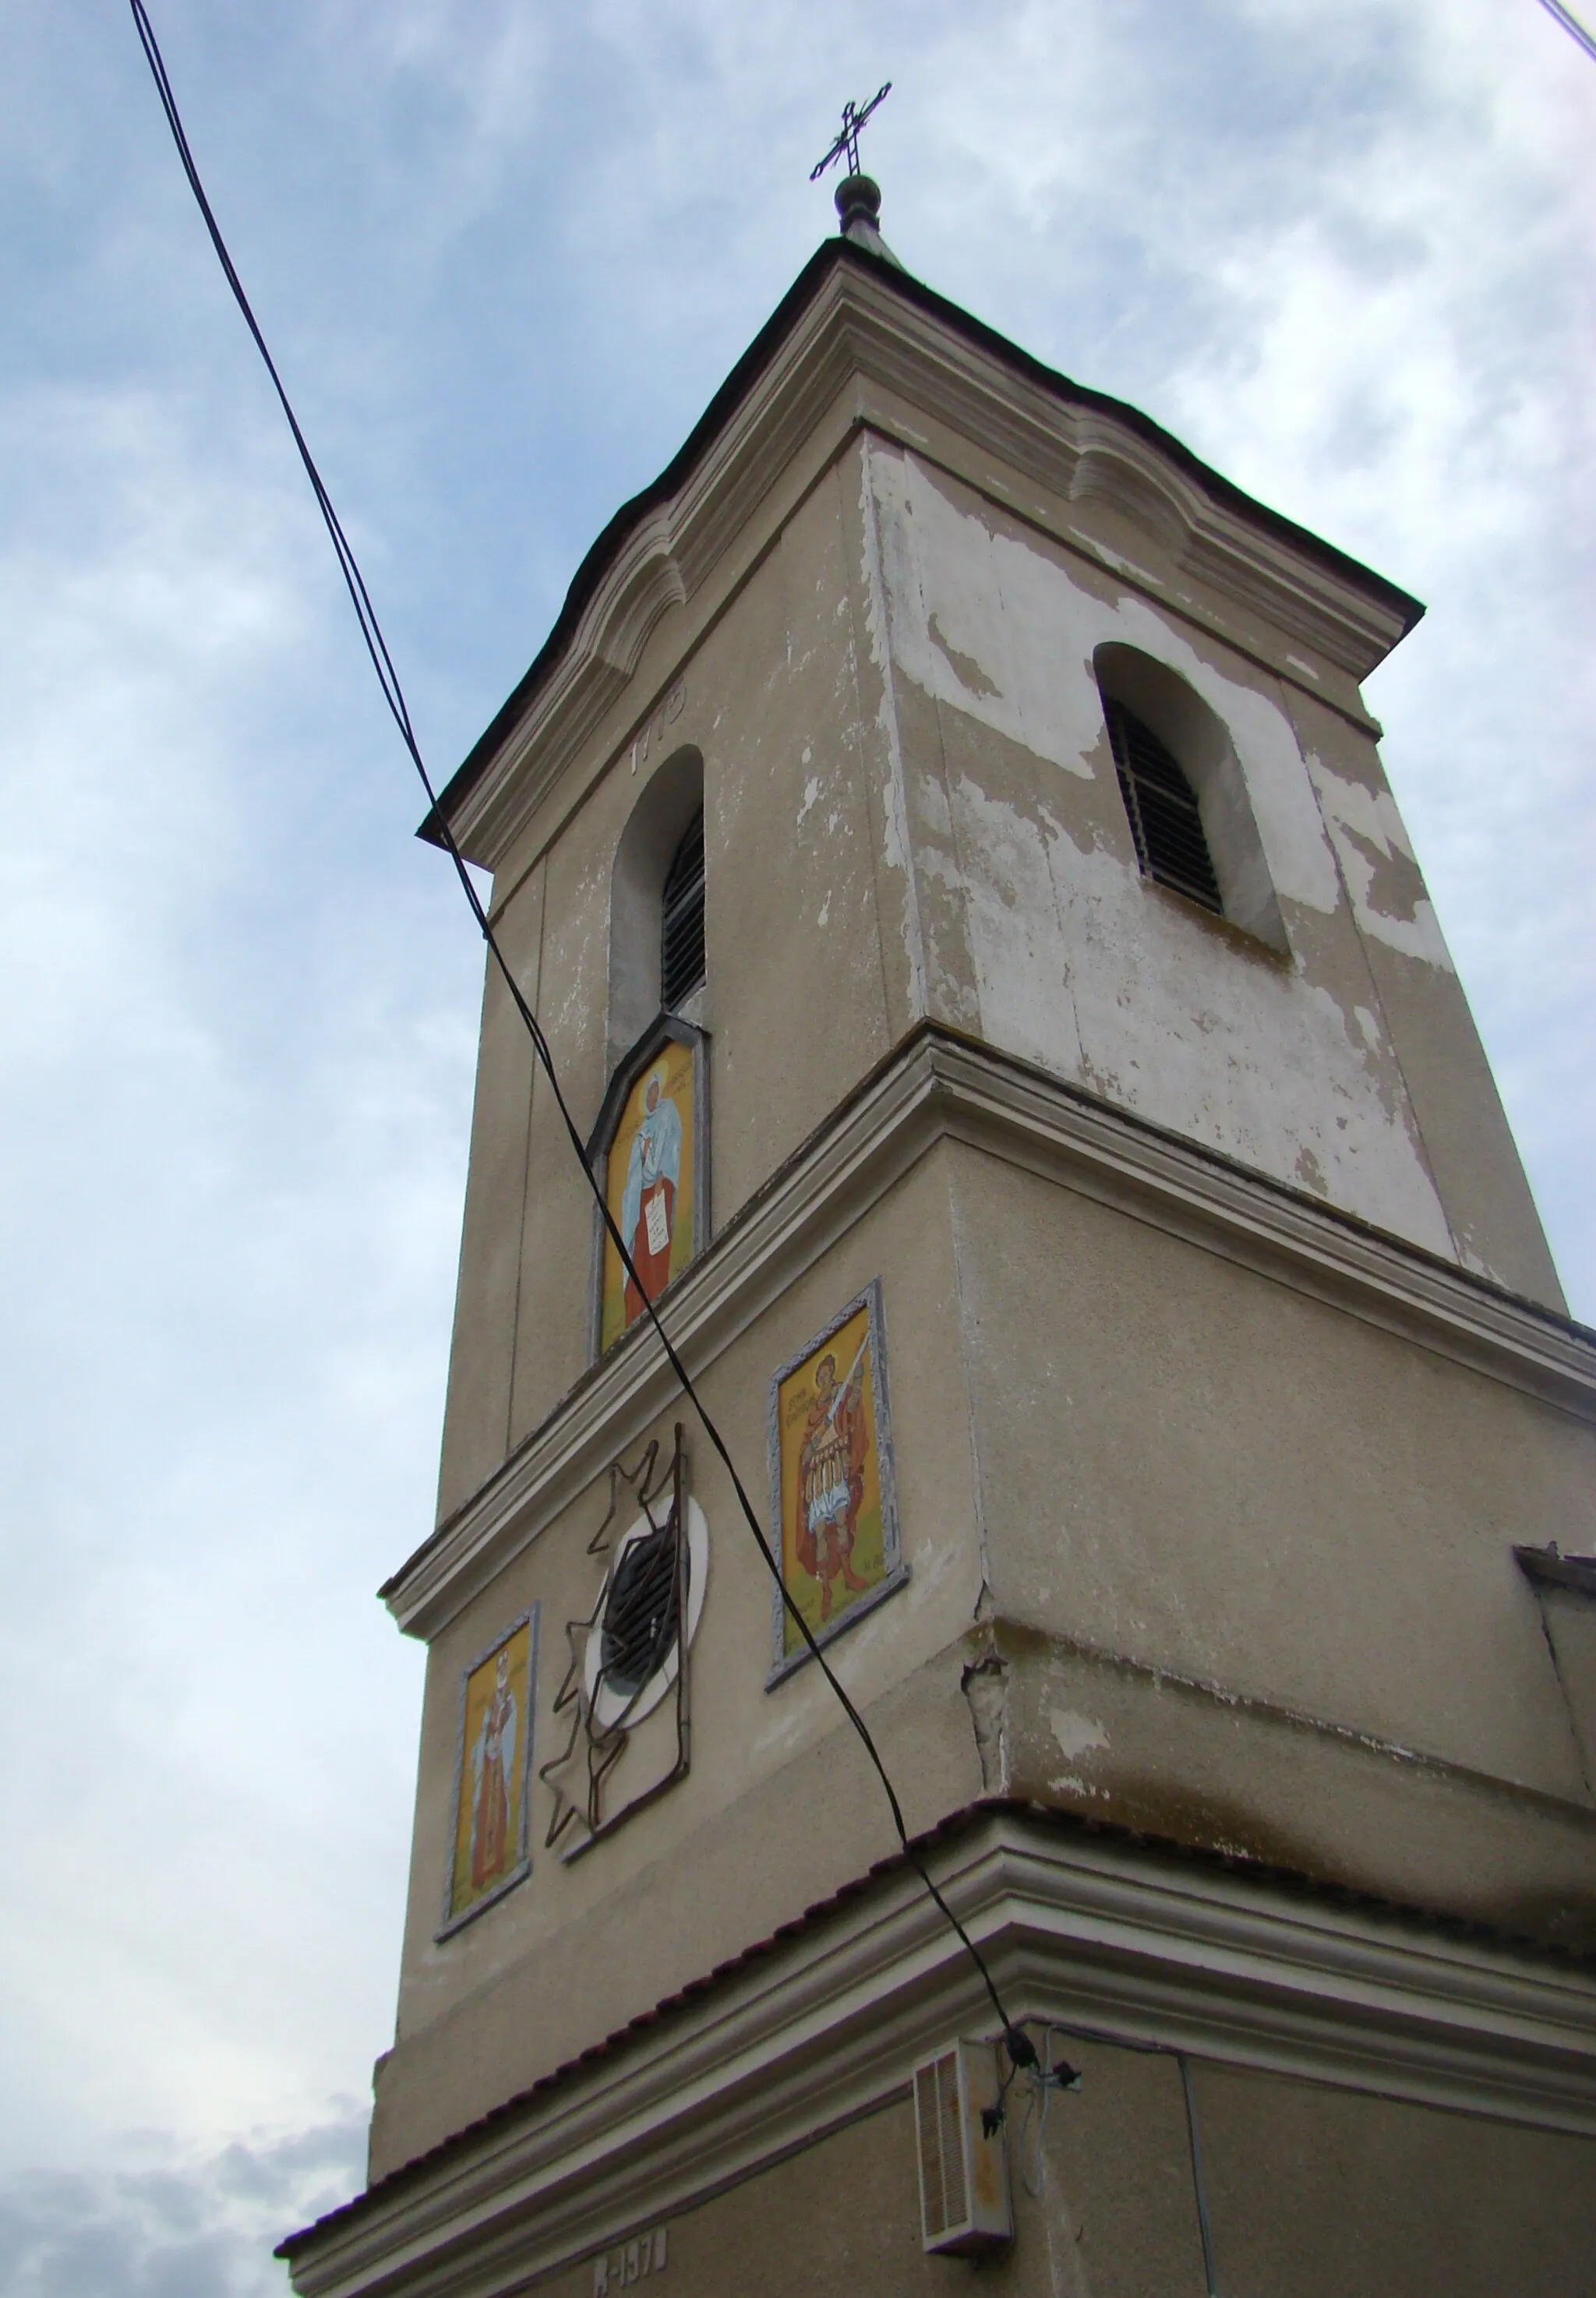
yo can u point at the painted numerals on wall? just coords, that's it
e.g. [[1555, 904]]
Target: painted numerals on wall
[[653, 732], [633, 2261]]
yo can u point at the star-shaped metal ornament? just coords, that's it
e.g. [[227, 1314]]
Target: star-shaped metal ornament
[[605, 1745]]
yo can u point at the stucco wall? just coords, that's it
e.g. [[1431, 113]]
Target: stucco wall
[[1039, 932], [911, 810], [1228, 1565], [798, 1002], [1260, 1517], [1312, 2192], [1203, 1470], [780, 1805]]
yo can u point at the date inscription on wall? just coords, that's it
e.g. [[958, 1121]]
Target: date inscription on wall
[[652, 730], [630, 2263]]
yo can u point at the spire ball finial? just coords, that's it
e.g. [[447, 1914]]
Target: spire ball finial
[[859, 195], [858, 202]]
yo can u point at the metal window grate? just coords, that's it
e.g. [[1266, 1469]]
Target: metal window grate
[[681, 919], [1162, 807], [641, 1612]]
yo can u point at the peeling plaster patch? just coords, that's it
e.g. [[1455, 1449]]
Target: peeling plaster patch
[[985, 1689], [1074, 960], [895, 827], [1396, 889], [811, 792], [1382, 877], [1369, 1025], [969, 673], [1121, 565], [962, 600], [1310, 1173], [825, 913], [1015, 928], [1001, 648], [1076, 1734], [1307, 669], [1070, 1783]]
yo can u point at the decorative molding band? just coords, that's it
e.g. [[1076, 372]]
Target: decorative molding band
[[936, 1086], [825, 2024], [857, 353]]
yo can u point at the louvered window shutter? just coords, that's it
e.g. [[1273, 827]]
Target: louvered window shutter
[[681, 919], [1162, 805]]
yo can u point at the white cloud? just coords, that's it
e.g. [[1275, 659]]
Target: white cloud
[[171, 2227]]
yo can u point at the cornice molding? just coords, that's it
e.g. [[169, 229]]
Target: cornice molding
[[824, 2026], [936, 1086], [854, 353]]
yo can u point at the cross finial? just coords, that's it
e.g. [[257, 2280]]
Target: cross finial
[[847, 141]]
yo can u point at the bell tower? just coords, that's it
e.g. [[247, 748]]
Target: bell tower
[[947, 847]]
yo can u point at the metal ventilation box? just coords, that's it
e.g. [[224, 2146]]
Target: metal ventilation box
[[963, 2175]]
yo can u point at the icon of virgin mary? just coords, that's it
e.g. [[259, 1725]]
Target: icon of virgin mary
[[492, 1766]]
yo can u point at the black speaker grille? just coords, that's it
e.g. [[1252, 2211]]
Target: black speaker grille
[[641, 1612]]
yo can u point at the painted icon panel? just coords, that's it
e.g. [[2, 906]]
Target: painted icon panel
[[489, 1850], [649, 1184], [832, 1483]]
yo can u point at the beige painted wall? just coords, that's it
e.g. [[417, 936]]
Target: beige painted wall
[[1261, 1548], [779, 1807], [1312, 2193], [1200, 1469], [797, 1004], [1234, 1568], [911, 810]]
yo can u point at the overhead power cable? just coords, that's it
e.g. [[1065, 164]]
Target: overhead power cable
[[1021, 2049], [1572, 26]]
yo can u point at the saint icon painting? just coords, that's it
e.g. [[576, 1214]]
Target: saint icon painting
[[650, 1138], [831, 1483], [488, 1850]]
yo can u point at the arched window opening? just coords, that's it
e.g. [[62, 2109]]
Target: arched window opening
[[656, 939], [1170, 844], [681, 919], [1186, 793]]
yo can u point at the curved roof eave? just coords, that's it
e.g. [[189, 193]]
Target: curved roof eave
[[831, 251]]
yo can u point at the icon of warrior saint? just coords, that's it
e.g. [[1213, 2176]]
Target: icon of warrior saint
[[831, 1478], [492, 1769], [648, 1200]]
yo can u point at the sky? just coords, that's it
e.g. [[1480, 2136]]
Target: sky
[[504, 252]]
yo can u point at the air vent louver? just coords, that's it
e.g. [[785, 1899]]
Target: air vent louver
[[963, 2178], [681, 919], [641, 1612], [1163, 806]]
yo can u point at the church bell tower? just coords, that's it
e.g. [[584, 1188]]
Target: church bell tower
[[947, 848]]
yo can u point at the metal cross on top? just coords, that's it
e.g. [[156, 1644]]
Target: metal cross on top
[[848, 140]]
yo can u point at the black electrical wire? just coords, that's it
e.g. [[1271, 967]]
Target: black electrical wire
[[1021, 2049], [1571, 25]]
